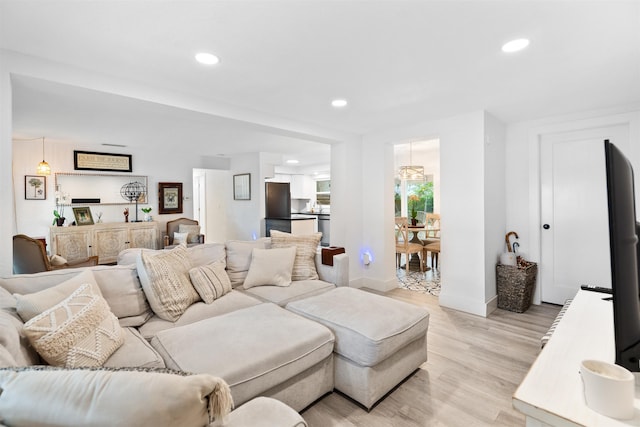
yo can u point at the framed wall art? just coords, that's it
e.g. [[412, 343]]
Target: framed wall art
[[83, 216], [169, 197], [35, 187], [94, 161], [242, 186]]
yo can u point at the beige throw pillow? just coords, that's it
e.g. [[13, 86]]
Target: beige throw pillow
[[270, 267], [210, 281], [38, 396], [164, 276], [304, 267], [180, 238], [193, 232], [78, 331]]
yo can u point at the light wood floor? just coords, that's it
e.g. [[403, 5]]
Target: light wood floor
[[475, 365]]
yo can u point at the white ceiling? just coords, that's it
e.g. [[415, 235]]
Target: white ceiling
[[396, 62]]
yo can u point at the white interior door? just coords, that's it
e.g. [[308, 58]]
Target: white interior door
[[575, 235]]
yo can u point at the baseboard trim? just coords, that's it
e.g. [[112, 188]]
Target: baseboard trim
[[479, 308]]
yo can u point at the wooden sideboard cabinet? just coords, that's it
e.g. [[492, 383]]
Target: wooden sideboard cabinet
[[105, 240]]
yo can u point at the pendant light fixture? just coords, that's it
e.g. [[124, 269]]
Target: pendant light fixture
[[411, 172], [43, 167]]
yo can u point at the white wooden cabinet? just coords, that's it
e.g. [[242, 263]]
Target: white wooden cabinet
[[302, 187], [105, 240]]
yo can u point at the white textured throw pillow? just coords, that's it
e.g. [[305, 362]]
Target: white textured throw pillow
[[304, 267], [270, 267], [211, 281], [180, 238], [78, 331], [38, 396], [164, 276]]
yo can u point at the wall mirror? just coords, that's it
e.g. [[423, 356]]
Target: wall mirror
[[102, 189]]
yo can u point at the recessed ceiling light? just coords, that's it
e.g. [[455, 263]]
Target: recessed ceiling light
[[339, 103], [293, 161], [515, 45], [207, 58]]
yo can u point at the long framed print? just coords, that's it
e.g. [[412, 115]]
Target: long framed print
[[94, 161]]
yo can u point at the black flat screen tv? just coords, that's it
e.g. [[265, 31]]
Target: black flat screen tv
[[625, 257]]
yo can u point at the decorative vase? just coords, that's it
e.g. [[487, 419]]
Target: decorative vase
[[60, 221], [414, 221], [147, 217]]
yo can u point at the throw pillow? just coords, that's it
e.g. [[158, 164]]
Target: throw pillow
[[78, 331], [193, 232], [30, 305], [180, 238], [211, 281], [50, 396], [164, 276], [270, 267], [57, 260], [239, 258], [304, 267]]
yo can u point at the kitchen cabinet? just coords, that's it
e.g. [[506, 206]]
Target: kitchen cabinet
[[302, 187], [105, 240], [297, 224]]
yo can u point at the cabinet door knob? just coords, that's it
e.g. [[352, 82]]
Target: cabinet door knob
[[546, 226]]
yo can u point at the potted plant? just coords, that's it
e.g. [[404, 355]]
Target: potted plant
[[146, 213], [58, 212], [413, 199]]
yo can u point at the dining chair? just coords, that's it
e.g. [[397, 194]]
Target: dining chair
[[431, 239], [404, 245]]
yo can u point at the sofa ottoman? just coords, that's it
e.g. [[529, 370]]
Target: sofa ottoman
[[379, 341], [263, 350]]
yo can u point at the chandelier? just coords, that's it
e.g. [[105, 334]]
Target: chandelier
[[411, 172]]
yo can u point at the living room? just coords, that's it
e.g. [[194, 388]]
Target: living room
[[502, 150]]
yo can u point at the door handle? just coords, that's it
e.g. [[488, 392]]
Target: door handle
[[546, 226]]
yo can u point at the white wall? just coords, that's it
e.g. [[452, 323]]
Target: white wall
[[522, 169], [494, 203]]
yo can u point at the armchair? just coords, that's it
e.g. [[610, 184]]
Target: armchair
[[29, 256], [174, 227]]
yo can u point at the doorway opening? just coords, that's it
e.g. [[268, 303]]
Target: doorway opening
[[417, 198]]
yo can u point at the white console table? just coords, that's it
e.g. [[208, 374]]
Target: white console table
[[551, 394]]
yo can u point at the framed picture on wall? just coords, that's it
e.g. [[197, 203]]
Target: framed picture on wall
[[35, 187], [169, 197], [242, 186]]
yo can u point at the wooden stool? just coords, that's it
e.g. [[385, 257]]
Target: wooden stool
[[434, 248]]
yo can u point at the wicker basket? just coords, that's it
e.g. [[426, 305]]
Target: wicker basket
[[515, 286]]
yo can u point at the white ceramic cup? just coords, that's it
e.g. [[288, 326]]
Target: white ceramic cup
[[608, 389]]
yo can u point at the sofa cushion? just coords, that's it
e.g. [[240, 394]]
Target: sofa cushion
[[270, 267], [283, 295], [232, 301], [164, 276], [211, 281], [286, 344], [39, 396], [363, 335], [304, 267], [193, 232], [80, 330], [239, 258], [119, 286], [30, 305], [134, 352], [180, 238], [15, 349], [198, 254]]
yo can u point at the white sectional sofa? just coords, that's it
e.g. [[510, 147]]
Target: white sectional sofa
[[244, 335]]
